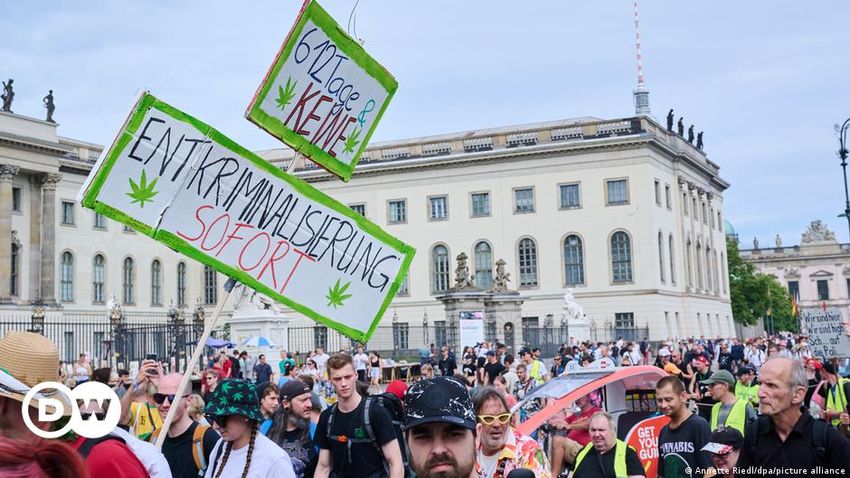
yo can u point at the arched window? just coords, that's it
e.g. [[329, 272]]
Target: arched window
[[210, 286], [66, 292], [483, 265], [672, 259], [700, 283], [156, 283], [621, 257], [527, 252], [661, 255], [573, 260], [709, 269], [690, 264], [129, 278], [723, 271], [181, 283], [98, 277], [439, 269], [15, 269]]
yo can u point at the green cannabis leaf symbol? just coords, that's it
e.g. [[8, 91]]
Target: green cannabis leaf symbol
[[336, 294], [142, 191], [351, 141], [285, 95]]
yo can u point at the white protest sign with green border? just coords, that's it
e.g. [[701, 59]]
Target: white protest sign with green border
[[323, 95], [186, 185]]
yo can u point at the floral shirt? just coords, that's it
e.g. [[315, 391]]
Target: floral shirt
[[519, 451], [530, 407]]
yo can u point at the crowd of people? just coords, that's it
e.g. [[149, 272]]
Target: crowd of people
[[734, 407]]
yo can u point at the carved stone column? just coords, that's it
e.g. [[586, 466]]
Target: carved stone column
[[35, 238], [7, 175], [48, 237]]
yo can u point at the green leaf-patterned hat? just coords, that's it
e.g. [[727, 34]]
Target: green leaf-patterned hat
[[235, 397]]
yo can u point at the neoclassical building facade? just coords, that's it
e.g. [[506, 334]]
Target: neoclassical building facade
[[623, 212]]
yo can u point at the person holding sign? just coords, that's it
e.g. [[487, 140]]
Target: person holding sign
[[242, 451]]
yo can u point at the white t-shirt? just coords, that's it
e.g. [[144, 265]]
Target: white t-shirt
[[267, 460], [360, 361], [321, 362], [488, 464]]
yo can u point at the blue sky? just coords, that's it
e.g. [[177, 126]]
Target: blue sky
[[766, 81]]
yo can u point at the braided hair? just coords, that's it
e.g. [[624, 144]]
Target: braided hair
[[229, 446]]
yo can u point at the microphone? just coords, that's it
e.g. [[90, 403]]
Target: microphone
[[521, 473]]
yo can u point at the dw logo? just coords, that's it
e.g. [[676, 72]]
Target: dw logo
[[92, 396]]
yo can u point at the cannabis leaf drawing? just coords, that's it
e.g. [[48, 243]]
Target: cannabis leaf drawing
[[351, 141], [336, 294], [142, 191], [285, 95]]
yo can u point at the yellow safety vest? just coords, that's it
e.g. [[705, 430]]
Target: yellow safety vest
[[619, 458], [747, 392], [737, 417], [837, 401], [535, 371]]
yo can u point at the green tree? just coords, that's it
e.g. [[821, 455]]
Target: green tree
[[756, 295]]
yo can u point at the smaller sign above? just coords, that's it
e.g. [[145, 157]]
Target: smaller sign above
[[323, 95]]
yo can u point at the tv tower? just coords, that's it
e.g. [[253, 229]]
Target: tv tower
[[641, 93]]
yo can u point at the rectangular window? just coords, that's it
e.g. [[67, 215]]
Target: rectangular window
[[624, 320], [657, 192], [440, 335], [67, 213], [719, 222], [401, 334], [98, 337], [404, 288], [524, 200], [438, 208], [530, 330], [823, 290], [667, 195], [16, 199], [685, 204], [359, 209], [99, 221], [618, 191], [704, 217], [320, 337], [480, 204], [397, 211], [570, 196], [711, 215], [69, 347], [694, 209], [210, 286]]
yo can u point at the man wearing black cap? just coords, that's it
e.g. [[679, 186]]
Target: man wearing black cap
[[725, 448], [439, 426], [746, 387], [292, 429], [836, 395]]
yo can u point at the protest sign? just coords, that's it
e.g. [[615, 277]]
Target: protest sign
[[829, 332], [186, 185], [323, 95], [643, 437]]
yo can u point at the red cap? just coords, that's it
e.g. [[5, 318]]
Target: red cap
[[397, 388], [701, 358]]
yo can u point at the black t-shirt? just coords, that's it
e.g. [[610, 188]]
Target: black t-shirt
[[493, 370], [447, 366], [595, 465], [679, 449], [705, 403], [302, 454], [364, 459], [469, 369], [724, 361], [178, 451]]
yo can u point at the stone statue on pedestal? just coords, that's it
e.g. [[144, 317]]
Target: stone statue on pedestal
[[778, 241], [8, 95], [670, 120], [51, 107], [500, 283], [681, 126], [756, 243], [699, 141], [463, 280], [691, 134]]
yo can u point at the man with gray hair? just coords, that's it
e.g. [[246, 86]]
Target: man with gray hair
[[785, 435], [606, 456]]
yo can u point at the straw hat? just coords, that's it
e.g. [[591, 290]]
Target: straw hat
[[27, 359]]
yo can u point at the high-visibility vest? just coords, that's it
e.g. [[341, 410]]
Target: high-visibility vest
[[619, 458], [836, 400], [534, 372], [737, 417], [748, 392]]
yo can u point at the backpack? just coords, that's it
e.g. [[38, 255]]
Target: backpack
[[85, 449], [197, 446], [820, 430], [395, 410]]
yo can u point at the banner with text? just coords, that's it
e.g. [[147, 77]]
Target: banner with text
[[829, 331], [186, 185], [323, 95], [643, 437]]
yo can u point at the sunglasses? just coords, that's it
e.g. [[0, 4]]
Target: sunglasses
[[220, 420], [209, 378], [491, 419], [159, 398], [100, 416]]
